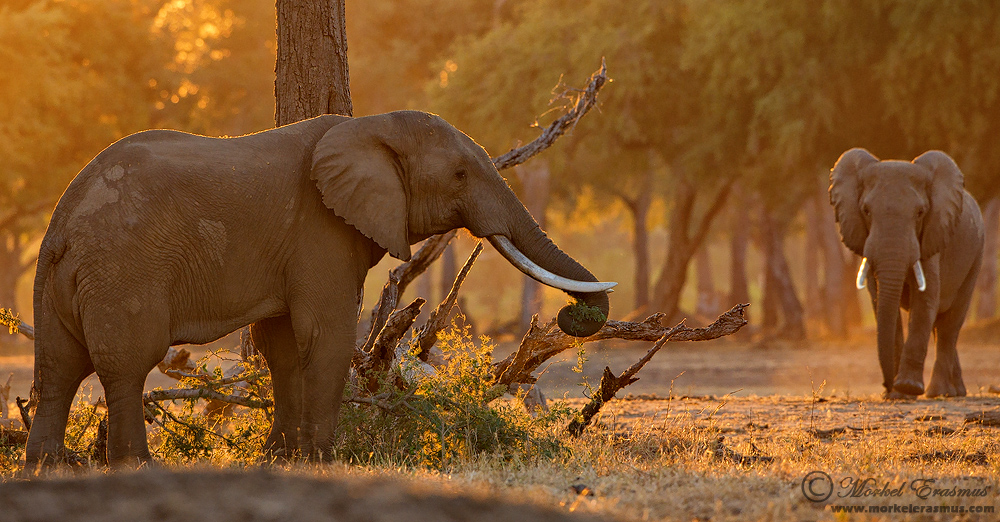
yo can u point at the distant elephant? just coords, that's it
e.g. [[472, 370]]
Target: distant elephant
[[168, 238], [921, 238]]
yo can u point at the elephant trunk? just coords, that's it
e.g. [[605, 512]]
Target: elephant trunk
[[590, 311], [512, 230], [889, 290]]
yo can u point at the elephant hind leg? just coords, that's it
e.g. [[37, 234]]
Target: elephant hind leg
[[275, 340], [123, 355], [946, 379], [61, 364]]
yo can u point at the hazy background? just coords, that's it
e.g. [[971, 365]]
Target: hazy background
[[699, 182]]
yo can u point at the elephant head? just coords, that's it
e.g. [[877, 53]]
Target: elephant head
[[895, 214], [403, 176]]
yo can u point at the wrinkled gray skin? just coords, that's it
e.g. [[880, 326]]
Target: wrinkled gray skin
[[168, 238], [895, 213]]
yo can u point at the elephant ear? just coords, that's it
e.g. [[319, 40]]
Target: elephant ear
[[360, 175], [845, 196], [945, 192]]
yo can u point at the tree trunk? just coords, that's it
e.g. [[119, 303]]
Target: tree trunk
[[780, 284], [11, 270], [814, 304], [448, 269], [424, 289], [739, 242], [840, 296], [534, 178], [682, 244], [986, 286], [311, 71], [707, 303], [638, 206]]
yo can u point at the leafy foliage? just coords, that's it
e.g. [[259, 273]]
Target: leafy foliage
[[450, 417]]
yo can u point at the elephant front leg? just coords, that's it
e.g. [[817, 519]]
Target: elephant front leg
[[326, 347], [910, 376]]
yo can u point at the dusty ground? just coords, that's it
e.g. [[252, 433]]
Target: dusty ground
[[256, 495]]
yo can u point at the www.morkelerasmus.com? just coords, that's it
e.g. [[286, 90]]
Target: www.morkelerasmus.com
[[912, 508]]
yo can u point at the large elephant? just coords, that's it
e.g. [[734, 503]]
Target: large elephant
[[168, 238], [921, 238]]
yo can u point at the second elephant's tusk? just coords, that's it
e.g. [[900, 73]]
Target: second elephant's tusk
[[530, 268], [918, 271], [862, 273]]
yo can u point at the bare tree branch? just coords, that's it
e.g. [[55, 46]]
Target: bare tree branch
[[428, 334], [584, 102], [204, 393], [399, 278]]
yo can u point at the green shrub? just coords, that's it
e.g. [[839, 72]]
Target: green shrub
[[455, 414]]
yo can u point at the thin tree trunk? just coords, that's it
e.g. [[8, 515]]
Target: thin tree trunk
[[814, 290], [707, 304], [448, 270], [841, 302], [424, 289], [986, 286], [534, 179], [638, 207], [311, 70], [739, 242]]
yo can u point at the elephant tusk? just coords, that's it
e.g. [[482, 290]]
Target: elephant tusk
[[521, 261], [862, 273], [918, 271]]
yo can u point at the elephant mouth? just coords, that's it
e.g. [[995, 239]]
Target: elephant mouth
[[918, 274], [531, 269]]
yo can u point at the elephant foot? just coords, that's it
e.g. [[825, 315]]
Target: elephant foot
[[939, 388], [894, 395], [908, 387]]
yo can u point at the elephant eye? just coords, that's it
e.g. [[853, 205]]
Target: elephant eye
[[461, 175], [867, 210]]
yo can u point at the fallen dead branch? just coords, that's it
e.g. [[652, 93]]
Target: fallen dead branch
[[10, 437], [727, 323], [542, 343], [986, 418]]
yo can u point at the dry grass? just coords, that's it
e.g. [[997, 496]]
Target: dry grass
[[706, 458]]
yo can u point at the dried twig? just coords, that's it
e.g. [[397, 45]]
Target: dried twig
[[369, 365]]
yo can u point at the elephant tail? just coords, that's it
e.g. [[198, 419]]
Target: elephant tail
[[49, 253]]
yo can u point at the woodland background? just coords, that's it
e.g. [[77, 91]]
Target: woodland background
[[700, 182]]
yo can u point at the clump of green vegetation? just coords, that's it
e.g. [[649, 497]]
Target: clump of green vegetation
[[454, 414], [581, 312], [190, 430], [10, 319]]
